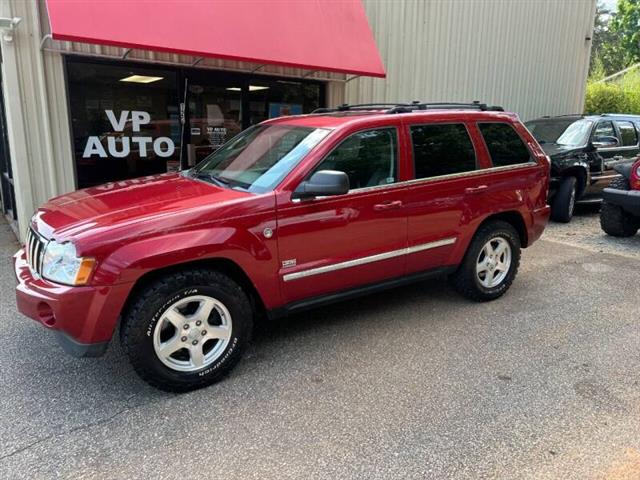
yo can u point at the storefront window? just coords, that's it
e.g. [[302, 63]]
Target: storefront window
[[215, 112], [125, 121], [274, 98], [127, 118]]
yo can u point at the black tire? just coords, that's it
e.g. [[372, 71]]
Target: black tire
[[565, 200], [467, 282], [613, 219], [146, 310]]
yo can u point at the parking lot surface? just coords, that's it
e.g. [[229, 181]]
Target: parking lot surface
[[412, 383]]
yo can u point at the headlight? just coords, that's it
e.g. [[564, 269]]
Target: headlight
[[61, 264]]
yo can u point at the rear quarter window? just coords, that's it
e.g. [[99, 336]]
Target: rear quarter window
[[627, 134], [504, 144]]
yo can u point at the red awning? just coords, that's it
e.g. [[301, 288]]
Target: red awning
[[325, 35]]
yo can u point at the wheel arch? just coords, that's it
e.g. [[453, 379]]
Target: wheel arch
[[220, 264], [515, 219], [581, 174]]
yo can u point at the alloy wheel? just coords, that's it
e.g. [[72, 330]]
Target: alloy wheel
[[192, 333], [494, 262]]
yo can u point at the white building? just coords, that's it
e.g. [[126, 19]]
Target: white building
[[74, 74]]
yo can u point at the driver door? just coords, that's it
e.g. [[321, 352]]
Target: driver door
[[331, 244]]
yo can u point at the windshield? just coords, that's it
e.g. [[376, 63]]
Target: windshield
[[563, 132], [260, 157], [576, 134]]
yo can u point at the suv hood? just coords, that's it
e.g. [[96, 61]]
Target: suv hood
[[555, 150], [129, 203]]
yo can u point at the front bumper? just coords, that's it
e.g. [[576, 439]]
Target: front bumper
[[84, 318], [554, 184], [629, 200]]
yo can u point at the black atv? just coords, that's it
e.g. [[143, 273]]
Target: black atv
[[620, 213]]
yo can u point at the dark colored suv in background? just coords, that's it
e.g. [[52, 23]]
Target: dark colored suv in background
[[583, 151]]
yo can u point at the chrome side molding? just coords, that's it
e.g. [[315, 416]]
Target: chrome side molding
[[370, 259]]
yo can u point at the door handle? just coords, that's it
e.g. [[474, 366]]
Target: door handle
[[387, 206], [479, 189]]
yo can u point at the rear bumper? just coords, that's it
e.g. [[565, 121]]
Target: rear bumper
[[628, 200], [84, 318], [539, 221]]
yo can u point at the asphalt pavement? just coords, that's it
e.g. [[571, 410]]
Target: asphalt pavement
[[413, 383]]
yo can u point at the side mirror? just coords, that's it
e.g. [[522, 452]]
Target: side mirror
[[323, 183], [605, 142]]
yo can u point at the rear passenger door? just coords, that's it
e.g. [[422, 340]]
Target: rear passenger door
[[629, 138], [446, 175]]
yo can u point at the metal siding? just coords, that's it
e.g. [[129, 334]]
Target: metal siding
[[37, 115], [530, 56]]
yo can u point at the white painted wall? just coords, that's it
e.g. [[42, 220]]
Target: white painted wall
[[36, 110]]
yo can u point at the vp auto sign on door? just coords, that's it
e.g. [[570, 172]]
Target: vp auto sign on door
[[161, 146]]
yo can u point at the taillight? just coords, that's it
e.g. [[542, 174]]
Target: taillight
[[634, 179]]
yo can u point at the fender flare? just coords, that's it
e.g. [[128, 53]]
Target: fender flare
[[134, 259]]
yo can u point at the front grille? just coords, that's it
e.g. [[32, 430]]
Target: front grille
[[35, 246]]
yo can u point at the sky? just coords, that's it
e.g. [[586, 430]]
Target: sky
[[610, 4]]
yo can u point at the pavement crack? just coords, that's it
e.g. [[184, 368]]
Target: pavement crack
[[84, 426]]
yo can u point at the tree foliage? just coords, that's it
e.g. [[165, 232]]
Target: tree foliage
[[616, 38], [626, 25], [620, 96]]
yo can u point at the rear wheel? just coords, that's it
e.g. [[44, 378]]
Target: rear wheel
[[613, 219], [564, 202], [490, 264], [187, 330]]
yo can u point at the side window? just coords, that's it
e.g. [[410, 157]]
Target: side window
[[504, 144], [442, 150], [627, 133], [604, 129], [370, 158]]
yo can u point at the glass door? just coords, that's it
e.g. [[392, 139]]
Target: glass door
[[213, 112], [219, 105]]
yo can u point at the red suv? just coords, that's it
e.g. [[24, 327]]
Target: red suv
[[290, 214]]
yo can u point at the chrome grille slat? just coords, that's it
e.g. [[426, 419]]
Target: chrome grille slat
[[35, 245]]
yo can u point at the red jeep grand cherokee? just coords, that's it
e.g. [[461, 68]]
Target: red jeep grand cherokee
[[290, 214]]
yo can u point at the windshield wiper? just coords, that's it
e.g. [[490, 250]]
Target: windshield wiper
[[213, 178]]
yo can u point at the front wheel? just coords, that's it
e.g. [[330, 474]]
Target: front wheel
[[187, 330], [564, 202], [490, 264]]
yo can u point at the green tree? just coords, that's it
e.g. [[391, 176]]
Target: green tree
[[607, 55], [625, 24]]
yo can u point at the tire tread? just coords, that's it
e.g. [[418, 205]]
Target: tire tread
[[614, 220], [163, 286], [463, 280]]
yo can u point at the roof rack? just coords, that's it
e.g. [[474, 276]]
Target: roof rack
[[411, 107], [564, 115]]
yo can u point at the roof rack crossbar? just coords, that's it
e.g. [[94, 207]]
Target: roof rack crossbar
[[410, 107], [359, 106]]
